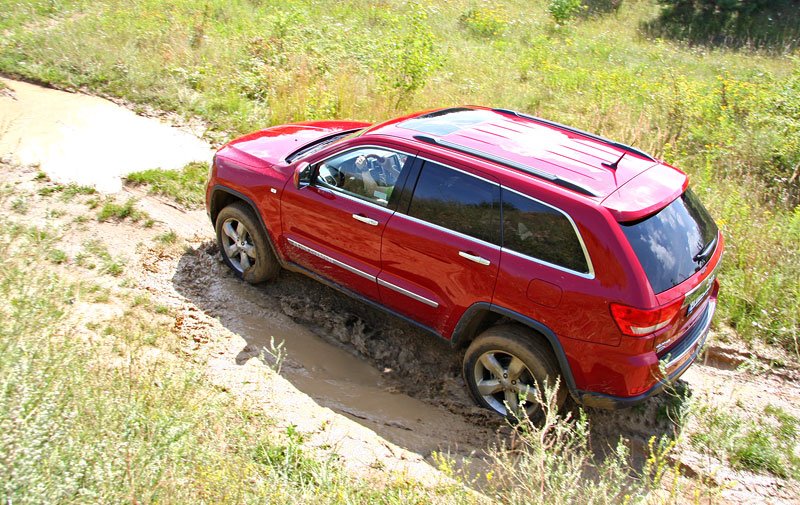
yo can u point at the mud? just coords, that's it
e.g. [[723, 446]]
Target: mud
[[324, 355], [381, 353]]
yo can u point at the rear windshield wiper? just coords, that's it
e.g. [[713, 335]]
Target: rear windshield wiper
[[706, 251]]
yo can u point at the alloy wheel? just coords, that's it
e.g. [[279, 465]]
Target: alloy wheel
[[502, 380], [237, 244]]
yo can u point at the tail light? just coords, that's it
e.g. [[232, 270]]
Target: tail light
[[639, 323]]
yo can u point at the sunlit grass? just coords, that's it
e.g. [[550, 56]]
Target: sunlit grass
[[185, 186], [728, 117]]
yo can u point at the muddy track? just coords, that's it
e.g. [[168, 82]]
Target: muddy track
[[408, 360], [422, 367], [387, 377]]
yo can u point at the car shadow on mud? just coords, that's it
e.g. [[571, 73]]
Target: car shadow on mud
[[407, 359]]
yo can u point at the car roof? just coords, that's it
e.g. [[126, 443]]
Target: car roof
[[587, 163]]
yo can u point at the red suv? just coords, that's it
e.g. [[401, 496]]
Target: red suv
[[544, 250]]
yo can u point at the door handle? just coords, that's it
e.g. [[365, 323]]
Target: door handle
[[365, 219], [476, 259]]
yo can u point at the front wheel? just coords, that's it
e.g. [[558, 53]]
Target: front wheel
[[243, 244], [506, 364]]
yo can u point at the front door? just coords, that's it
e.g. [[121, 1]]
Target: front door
[[333, 226]]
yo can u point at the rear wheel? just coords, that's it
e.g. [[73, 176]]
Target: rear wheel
[[243, 244], [505, 366]]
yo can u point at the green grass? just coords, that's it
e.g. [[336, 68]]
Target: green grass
[[96, 255], [20, 205], [730, 118], [68, 192], [57, 256], [185, 186], [119, 212], [120, 419], [167, 238], [764, 445], [555, 462]]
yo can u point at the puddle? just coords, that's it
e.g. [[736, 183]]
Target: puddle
[[87, 140], [349, 385]]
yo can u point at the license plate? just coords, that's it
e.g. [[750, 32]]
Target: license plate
[[700, 298]]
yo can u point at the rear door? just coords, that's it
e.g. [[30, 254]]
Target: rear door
[[440, 251], [333, 226]]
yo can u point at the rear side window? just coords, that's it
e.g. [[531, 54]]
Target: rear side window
[[674, 243], [541, 232], [457, 201]]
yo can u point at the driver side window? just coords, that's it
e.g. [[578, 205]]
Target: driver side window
[[367, 173]]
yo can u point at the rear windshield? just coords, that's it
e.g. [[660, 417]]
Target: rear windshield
[[674, 243]]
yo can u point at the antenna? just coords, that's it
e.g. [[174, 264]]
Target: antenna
[[613, 166]]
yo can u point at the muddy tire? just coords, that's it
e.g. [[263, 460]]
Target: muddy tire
[[507, 362], [243, 244]]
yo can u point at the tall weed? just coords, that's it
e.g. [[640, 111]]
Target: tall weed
[[554, 462]]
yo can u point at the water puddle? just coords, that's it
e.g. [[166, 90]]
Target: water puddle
[[87, 140], [349, 385]]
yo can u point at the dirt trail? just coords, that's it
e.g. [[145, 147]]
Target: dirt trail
[[375, 390], [329, 373]]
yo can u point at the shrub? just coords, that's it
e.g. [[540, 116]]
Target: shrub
[[601, 6], [411, 55], [555, 462], [486, 22], [564, 11]]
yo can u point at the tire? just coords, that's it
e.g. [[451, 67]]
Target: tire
[[243, 244], [495, 378]]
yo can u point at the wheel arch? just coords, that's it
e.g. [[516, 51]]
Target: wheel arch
[[482, 315], [222, 196]]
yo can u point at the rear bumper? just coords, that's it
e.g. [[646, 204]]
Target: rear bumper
[[674, 363]]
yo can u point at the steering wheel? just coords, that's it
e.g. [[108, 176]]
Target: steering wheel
[[329, 176]]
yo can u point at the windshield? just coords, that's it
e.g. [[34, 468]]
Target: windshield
[[674, 243], [320, 144]]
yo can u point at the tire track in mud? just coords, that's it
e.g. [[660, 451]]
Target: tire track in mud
[[326, 343], [408, 360]]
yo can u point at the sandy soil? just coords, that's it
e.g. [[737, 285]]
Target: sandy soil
[[367, 386]]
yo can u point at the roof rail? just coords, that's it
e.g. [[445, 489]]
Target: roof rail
[[564, 183], [592, 136]]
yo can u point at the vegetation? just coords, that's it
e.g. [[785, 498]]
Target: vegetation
[[167, 238], [67, 192], [112, 416], [752, 23], [564, 11], [554, 462], [731, 118], [94, 253], [185, 186], [113, 210], [488, 21], [106, 412], [765, 446]]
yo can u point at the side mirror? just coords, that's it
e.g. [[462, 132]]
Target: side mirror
[[303, 174]]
